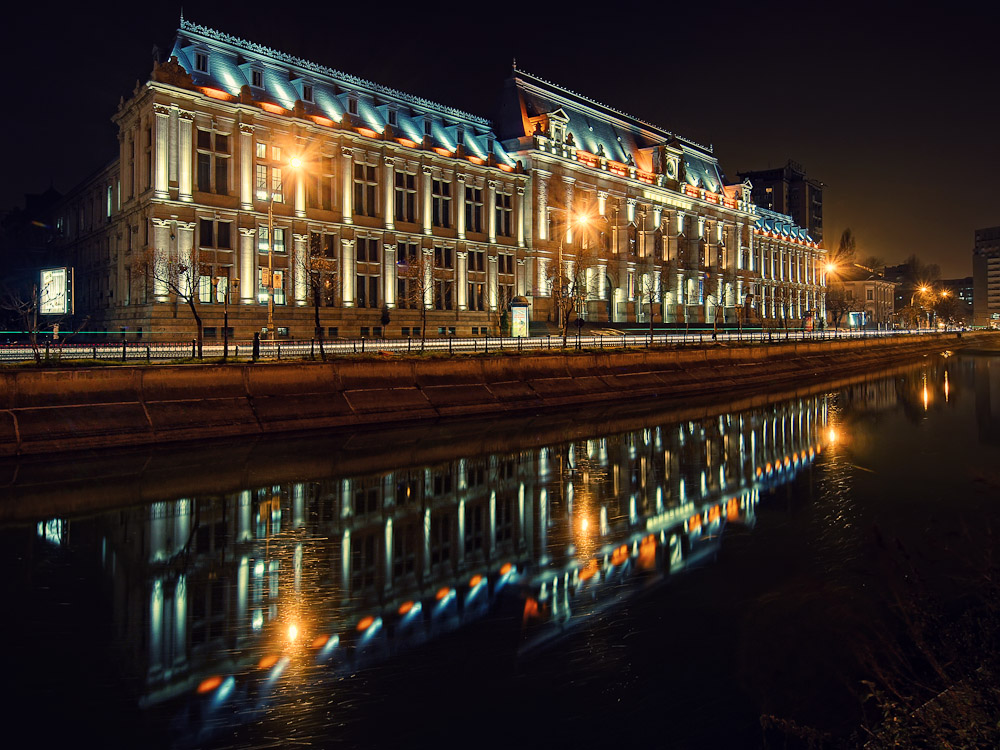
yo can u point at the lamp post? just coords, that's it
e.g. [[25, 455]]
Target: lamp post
[[295, 162], [580, 220]]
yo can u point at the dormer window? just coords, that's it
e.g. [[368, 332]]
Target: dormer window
[[257, 79], [352, 105], [201, 62], [392, 117], [427, 126], [307, 93]]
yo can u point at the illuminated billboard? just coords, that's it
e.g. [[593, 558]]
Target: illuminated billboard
[[55, 295]]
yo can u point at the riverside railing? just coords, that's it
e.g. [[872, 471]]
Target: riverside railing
[[150, 352]]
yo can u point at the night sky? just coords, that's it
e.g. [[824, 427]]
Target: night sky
[[895, 112]]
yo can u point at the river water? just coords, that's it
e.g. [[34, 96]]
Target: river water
[[663, 574]]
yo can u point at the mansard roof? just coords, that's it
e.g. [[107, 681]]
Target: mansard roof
[[600, 129], [232, 61], [781, 225]]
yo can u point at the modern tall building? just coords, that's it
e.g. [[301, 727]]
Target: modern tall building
[[986, 278], [789, 191], [254, 186]]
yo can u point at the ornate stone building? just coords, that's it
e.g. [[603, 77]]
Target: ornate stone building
[[663, 235], [372, 212]]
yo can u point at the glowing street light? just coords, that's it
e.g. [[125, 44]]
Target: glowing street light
[[295, 163]]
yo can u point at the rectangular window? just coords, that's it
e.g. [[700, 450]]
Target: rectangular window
[[307, 93], [441, 199], [278, 278], [406, 197], [505, 212], [505, 264], [261, 182], [473, 209], [201, 62], [444, 257], [367, 250], [365, 189], [276, 186], [367, 290], [392, 117], [261, 150], [213, 155], [352, 105], [442, 294], [257, 79]]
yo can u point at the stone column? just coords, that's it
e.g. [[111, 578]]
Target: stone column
[[248, 266], [298, 268], [542, 179], [462, 279], [520, 280], [246, 167], [602, 202], [348, 266], [347, 185], [160, 152], [630, 209], [185, 156], [491, 209], [390, 204], [428, 201], [460, 205]]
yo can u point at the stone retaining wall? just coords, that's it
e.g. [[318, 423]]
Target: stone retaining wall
[[61, 410]]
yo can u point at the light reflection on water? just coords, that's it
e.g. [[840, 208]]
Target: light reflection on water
[[246, 606]]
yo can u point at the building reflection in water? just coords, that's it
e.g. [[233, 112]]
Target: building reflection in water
[[223, 599]]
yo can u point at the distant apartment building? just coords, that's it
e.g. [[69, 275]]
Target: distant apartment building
[[788, 190], [986, 278]]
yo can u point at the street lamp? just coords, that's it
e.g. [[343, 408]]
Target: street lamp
[[581, 220], [295, 163]]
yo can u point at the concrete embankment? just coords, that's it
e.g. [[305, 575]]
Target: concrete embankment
[[62, 410]]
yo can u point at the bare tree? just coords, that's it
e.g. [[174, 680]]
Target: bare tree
[[320, 270], [570, 290], [650, 286], [22, 308], [417, 271], [179, 277]]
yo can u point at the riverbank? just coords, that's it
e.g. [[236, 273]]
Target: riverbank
[[55, 411]]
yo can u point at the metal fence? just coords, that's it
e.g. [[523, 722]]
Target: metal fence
[[312, 349]]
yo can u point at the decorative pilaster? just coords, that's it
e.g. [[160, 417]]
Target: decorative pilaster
[[568, 183], [246, 167], [161, 254], [491, 209], [347, 185], [428, 200], [602, 202], [460, 205], [349, 277], [389, 274], [248, 266], [186, 256], [162, 114], [492, 285], [390, 205], [630, 209], [462, 279], [300, 194], [542, 180], [428, 277], [519, 215], [298, 267], [186, 156], [521, 278]]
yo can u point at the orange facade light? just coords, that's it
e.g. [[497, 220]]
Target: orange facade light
[[209, 684]]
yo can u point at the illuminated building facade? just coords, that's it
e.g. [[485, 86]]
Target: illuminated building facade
[[243, 170], [664, 236], [396, 202], [986, 278]]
